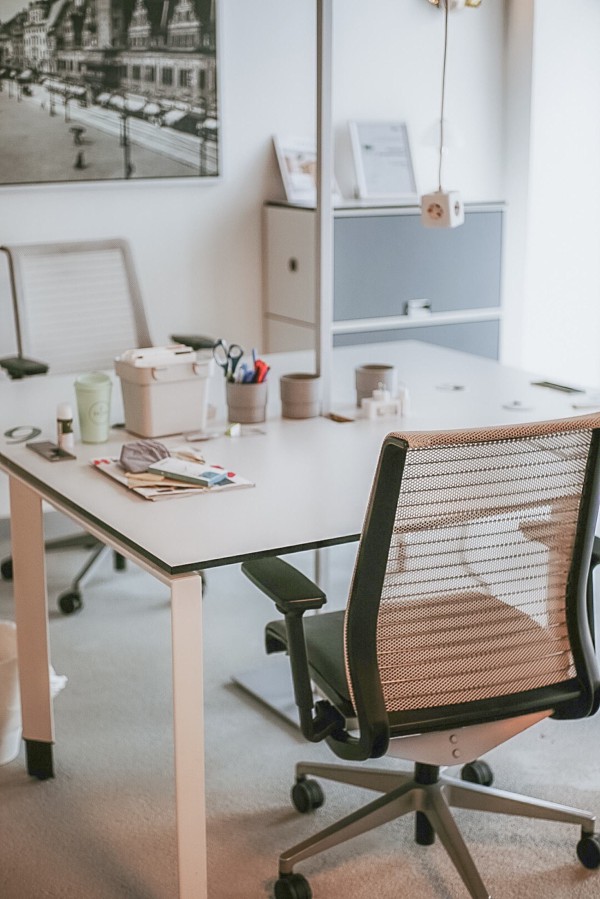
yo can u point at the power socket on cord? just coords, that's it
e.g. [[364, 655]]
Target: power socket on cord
[[442, 209]]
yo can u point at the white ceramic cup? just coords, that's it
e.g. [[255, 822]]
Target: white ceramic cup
[[300, 395], [93, 392]]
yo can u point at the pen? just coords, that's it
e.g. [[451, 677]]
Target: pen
[[260, 371]]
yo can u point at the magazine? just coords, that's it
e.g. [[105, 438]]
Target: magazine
[[154, 486]]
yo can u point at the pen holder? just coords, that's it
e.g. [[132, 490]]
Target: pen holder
[[246, 403]]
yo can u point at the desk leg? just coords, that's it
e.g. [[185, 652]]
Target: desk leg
[[31, 615], [188, 714]]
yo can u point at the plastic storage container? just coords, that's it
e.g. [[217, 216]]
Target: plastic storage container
[[165, 390], [10, 705]]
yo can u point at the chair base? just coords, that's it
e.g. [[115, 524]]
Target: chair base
[[70, 600], [430, 795]]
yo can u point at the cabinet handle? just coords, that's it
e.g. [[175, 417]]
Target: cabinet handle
[[417, 308], [293, 264]]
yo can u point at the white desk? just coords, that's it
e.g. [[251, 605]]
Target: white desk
[[312, 483]]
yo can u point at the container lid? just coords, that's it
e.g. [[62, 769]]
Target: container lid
[[64, 411], [150, 357]]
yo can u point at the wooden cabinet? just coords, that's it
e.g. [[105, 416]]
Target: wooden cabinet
[[393, 278]]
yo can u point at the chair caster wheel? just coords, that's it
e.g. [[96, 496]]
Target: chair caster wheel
[[307, 795], [292, 886], [588, 851], [478, 772], [6, 570], [70, 602]]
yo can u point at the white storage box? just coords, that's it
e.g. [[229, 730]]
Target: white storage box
[[165, 389]]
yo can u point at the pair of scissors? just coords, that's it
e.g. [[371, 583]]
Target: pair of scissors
[[227, 356]]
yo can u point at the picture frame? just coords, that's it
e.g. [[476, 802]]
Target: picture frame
[[96, 93], [297, 159], [383, 160]]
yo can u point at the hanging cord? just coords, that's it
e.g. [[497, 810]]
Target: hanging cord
[[446, 3]]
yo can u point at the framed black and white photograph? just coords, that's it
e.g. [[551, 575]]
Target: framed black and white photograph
[[383, 161], [108, 90]]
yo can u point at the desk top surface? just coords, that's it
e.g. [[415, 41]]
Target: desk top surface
[[312, 477]]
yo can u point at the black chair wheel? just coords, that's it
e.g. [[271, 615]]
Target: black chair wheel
[[588, 851], [307, 795], [292, 886], [478, 772], [6, 569], [70, 602]]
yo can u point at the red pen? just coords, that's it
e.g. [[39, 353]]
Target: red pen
[[260, 371]]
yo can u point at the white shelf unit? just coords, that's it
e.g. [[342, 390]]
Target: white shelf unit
[[393, 278]]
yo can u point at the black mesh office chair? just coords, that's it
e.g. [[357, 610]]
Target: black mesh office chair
[[467, 622], [77, 305]]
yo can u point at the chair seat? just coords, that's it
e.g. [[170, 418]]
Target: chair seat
[[324, 634]]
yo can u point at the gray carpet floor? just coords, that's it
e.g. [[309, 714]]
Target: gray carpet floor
[[104, 827]]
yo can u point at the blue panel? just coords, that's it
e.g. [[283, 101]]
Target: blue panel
[[479, 338], [383, 261]]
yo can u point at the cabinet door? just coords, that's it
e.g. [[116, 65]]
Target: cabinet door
[[290, 270], [383, 261]]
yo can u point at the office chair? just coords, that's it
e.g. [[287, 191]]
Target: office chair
[[77, 305], [466, 623]]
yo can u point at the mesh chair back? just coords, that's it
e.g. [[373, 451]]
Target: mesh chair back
[[473, 599], [77, 305]]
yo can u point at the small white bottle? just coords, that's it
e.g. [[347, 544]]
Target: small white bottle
[[64, 427]]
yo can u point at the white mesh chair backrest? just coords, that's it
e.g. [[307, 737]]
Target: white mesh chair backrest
[[78, 304], [473, 599]]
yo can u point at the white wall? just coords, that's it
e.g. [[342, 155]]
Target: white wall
[[562, 308], [552, 317], [388, 64], [198, 247]]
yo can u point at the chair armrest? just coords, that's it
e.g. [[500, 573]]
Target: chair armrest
[[595, 560], [195, 341], [294, 594], [18, 367], [290, 590]]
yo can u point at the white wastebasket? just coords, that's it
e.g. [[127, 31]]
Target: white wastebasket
[[10, 705]]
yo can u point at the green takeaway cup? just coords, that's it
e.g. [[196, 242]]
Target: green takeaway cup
[[93, 392]]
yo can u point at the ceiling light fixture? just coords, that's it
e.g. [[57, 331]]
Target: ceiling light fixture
[[442, 209], [457, 4]]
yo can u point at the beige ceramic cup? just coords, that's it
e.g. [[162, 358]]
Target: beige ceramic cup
[[372, 377], [300, 395]]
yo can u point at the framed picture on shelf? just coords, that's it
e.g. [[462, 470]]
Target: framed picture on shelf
[[383, 161], [297, 160], [108, 92]]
